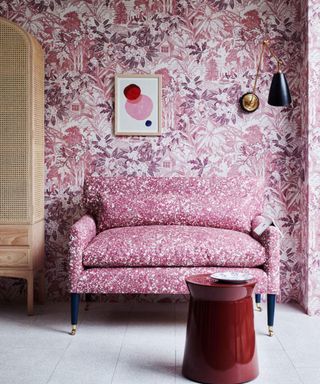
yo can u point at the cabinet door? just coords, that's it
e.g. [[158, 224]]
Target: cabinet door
[[15, 124]]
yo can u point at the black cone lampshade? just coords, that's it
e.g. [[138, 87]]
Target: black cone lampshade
[[279, 94]]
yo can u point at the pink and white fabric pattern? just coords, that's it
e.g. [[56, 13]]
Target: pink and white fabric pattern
[[173, 246], [218, 202], [159, 280], [156, 258], [82, 232], [270, 240]]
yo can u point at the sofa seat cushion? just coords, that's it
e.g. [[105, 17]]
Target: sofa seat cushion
[[173, 245]]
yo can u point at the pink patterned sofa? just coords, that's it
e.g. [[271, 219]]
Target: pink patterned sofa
[[145, 234]]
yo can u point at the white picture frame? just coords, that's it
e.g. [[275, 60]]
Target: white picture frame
[[138, 100]]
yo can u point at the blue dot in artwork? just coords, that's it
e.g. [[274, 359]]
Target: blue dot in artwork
[[148, 123]]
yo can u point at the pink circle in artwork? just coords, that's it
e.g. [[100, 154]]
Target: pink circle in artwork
[[140, 110]]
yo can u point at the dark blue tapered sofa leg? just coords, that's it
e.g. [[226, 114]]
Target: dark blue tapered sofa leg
[[75, 301], [271, 302], [258, 302]]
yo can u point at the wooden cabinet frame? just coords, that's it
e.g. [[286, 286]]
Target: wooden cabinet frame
[[21, 157]]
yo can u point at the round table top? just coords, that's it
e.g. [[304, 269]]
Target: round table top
[[207, 281]]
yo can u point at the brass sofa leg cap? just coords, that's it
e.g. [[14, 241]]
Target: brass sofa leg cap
[[73, 330], [258, 307], [270, 331]]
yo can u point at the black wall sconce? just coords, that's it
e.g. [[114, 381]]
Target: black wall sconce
[[279, 94]]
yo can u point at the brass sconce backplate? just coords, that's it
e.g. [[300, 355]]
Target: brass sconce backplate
[[249, 102]]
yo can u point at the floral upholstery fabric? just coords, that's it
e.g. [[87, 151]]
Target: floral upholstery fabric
[[118, 260], [159, 279], [173, 245], [229, 203], [270, 240], [153, 280], [82, 232]]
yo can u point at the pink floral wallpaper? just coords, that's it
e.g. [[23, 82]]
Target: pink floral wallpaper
[[304, 154], [206, 51], [311, 121]]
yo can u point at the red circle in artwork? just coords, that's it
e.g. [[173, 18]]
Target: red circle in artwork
[[132, 92]]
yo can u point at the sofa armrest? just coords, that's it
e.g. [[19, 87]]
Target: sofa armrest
[[81, 233], [270, 240]]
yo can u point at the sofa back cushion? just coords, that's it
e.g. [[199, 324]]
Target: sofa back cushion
[[229, 203]]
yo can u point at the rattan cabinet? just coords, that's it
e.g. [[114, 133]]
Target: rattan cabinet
[[21, 157]]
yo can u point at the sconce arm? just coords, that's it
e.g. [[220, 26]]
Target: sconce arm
[[279, 61], [266, 44]]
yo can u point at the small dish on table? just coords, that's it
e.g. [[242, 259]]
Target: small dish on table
[[231, 277]]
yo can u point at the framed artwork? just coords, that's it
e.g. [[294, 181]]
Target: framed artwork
[[138, 105]]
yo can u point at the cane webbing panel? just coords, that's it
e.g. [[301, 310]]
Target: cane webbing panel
[[38, 134], [17, 184]]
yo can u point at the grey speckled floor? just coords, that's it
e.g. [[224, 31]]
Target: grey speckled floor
[[139, 343]]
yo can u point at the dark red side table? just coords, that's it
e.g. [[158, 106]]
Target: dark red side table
[[220, 343]]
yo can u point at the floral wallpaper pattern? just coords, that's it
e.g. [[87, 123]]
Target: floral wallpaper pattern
[[311, 120], [206, 51]]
